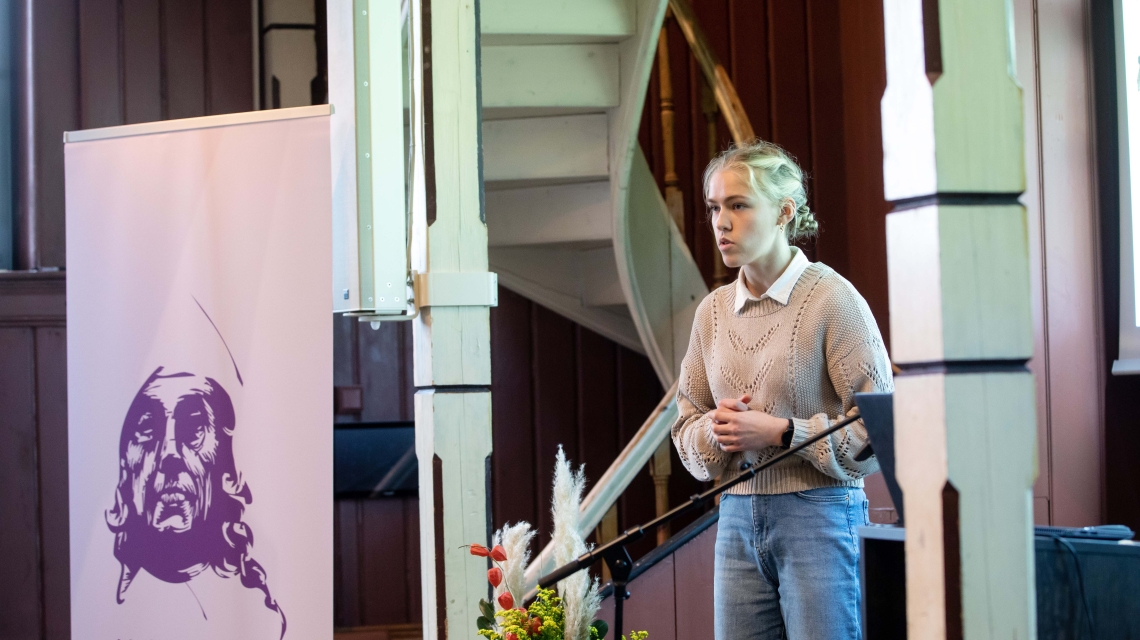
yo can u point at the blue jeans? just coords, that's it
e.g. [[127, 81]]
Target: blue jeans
[[787, 566]]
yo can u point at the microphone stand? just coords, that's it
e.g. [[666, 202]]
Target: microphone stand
[[617, 557]]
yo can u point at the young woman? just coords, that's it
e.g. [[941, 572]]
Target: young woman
[[775, 358]]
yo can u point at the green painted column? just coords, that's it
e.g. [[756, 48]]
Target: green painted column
[[961, 323]]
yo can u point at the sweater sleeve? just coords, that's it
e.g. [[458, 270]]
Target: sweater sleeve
[[863, 367], [692, 432]]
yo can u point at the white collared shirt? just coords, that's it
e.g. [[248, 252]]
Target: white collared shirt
[[781, 289]]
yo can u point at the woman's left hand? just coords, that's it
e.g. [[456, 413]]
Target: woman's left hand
[[746, 430]]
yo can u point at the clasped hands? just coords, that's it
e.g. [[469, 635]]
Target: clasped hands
[[737, 427]]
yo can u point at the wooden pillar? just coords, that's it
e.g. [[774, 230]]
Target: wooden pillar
[[961, 325], [451, 336]]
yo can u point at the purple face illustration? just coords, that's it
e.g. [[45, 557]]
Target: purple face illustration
[[179, 501]]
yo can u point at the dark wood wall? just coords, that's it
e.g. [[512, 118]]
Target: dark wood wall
[[35, 578], [810, 74], [553, 383], [100, 63]]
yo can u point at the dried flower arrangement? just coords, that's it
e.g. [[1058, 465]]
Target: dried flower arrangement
[[565, 615]]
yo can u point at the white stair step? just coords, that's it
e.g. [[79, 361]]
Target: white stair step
[[556, 150], [556, 21], [583, 76], [564, 214], [599, 283]]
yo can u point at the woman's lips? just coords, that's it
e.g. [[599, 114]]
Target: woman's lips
[[724, 243]]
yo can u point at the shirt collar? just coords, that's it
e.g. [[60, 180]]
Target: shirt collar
[[781, 289]]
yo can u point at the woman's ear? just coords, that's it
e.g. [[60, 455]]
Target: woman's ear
[[787, 212]]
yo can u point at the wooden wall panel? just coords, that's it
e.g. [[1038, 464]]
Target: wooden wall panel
[[102, 63], [55, 98], [827, 174], [639, 394], [183, 58], [863, 60], [382, 564], [229, 56], [21, 589], [100, 59], [52, 455], [555, 404], [693, 567], [142, 57], [379, 361], [599, 438], [555, 382], [513, 473], [377, 562], [749, 41], [346, 569]]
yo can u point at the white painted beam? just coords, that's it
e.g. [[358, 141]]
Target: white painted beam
[[545, 150], [570, 75]]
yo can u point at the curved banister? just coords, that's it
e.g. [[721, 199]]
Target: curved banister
[[714, 72]]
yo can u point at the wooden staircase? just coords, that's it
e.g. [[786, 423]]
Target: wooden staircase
[[575, 219]]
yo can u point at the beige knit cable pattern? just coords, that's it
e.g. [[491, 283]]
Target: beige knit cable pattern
[[805, 360]]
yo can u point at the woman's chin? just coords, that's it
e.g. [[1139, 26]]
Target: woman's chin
[[730, 260]]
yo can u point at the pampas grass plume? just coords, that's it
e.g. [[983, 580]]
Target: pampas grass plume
[[515, 539], [580, 596]]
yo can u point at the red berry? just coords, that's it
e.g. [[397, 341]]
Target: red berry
[[479, 550], [498, 553], [535, 625], [505, 600], [511, 636], [495, 576]]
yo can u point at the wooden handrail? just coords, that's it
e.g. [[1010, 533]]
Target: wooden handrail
[[714, 72], [616, 479]]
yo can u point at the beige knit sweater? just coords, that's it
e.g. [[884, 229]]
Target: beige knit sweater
[[805, 360]]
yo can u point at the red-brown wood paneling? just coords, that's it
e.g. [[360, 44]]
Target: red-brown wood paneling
[[142, 57], [51, 446], [377, 561], [100, 58], [512, 411], [555, 402], [21, 589], [693, 568], [827, 177], [346, 569], [183, 58], [864, 80], [229, 56], [55, 109]]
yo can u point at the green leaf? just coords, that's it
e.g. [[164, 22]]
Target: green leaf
[[601, 627], [483, 623], [486, 609]]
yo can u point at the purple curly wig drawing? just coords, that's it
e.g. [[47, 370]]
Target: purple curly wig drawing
[[179, 501]]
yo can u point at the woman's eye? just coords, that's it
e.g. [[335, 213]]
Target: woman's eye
[[738, 205]]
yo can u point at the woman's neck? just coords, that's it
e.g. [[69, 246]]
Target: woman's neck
[[765, 270]]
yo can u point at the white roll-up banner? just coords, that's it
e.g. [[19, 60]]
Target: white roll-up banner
[[199, 378]]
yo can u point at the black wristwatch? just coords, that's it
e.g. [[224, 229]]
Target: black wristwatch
[[788, 433]]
